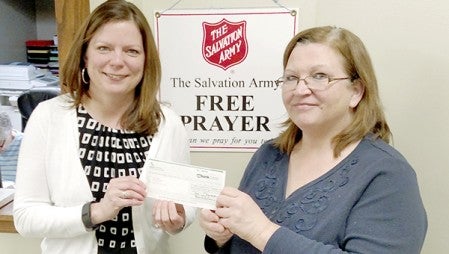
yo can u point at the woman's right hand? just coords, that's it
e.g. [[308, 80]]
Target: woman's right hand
[[121, 192], [208, 221]]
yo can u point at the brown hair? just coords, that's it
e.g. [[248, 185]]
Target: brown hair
[[368, 115], [143, 116]]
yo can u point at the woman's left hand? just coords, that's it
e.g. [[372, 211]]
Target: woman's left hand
[[242, 216], [168, 216]]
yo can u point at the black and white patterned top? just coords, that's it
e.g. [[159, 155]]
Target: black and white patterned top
[[108, 153]]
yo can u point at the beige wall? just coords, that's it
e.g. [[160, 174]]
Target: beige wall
[[408, 43]]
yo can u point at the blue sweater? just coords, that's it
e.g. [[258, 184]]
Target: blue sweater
[[368, 203]]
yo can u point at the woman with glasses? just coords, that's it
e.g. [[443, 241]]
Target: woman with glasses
[[330, 182]]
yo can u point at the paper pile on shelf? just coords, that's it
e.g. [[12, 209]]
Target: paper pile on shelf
[[18, 75]]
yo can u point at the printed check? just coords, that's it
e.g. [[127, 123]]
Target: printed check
[[184, 184]]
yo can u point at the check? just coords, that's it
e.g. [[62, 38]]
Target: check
[[184, 184]]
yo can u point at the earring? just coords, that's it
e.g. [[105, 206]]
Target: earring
[[83, 76]]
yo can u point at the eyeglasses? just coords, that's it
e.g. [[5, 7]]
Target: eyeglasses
[[317, 81]]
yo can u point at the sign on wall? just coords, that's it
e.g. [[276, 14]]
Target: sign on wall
[[218, 73]]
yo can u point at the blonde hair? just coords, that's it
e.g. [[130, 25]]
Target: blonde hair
[[144, 114], [368, 115]]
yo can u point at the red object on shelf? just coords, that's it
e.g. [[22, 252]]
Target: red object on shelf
[[39, 43]]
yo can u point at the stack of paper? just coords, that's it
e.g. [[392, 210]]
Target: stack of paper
[[17, 75], [17, 71]]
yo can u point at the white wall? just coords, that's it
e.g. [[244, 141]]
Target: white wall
[[408, 42], [17, 24], [45, 19], [21, 21]]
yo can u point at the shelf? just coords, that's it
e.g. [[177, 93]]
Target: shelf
[[43, 54]]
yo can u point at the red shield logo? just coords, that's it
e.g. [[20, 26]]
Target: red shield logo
[[224, 43]]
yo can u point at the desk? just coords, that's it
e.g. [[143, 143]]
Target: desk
[[6, 219]]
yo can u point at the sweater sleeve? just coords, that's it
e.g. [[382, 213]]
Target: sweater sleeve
[[388, 218], [35, 212]]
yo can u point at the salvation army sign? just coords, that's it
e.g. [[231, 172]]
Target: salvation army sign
[[218, 73], [224, 43]]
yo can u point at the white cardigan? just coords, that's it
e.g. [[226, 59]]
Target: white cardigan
[[52, 187]]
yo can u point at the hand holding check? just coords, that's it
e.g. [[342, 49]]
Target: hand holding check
[[183, 184]]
